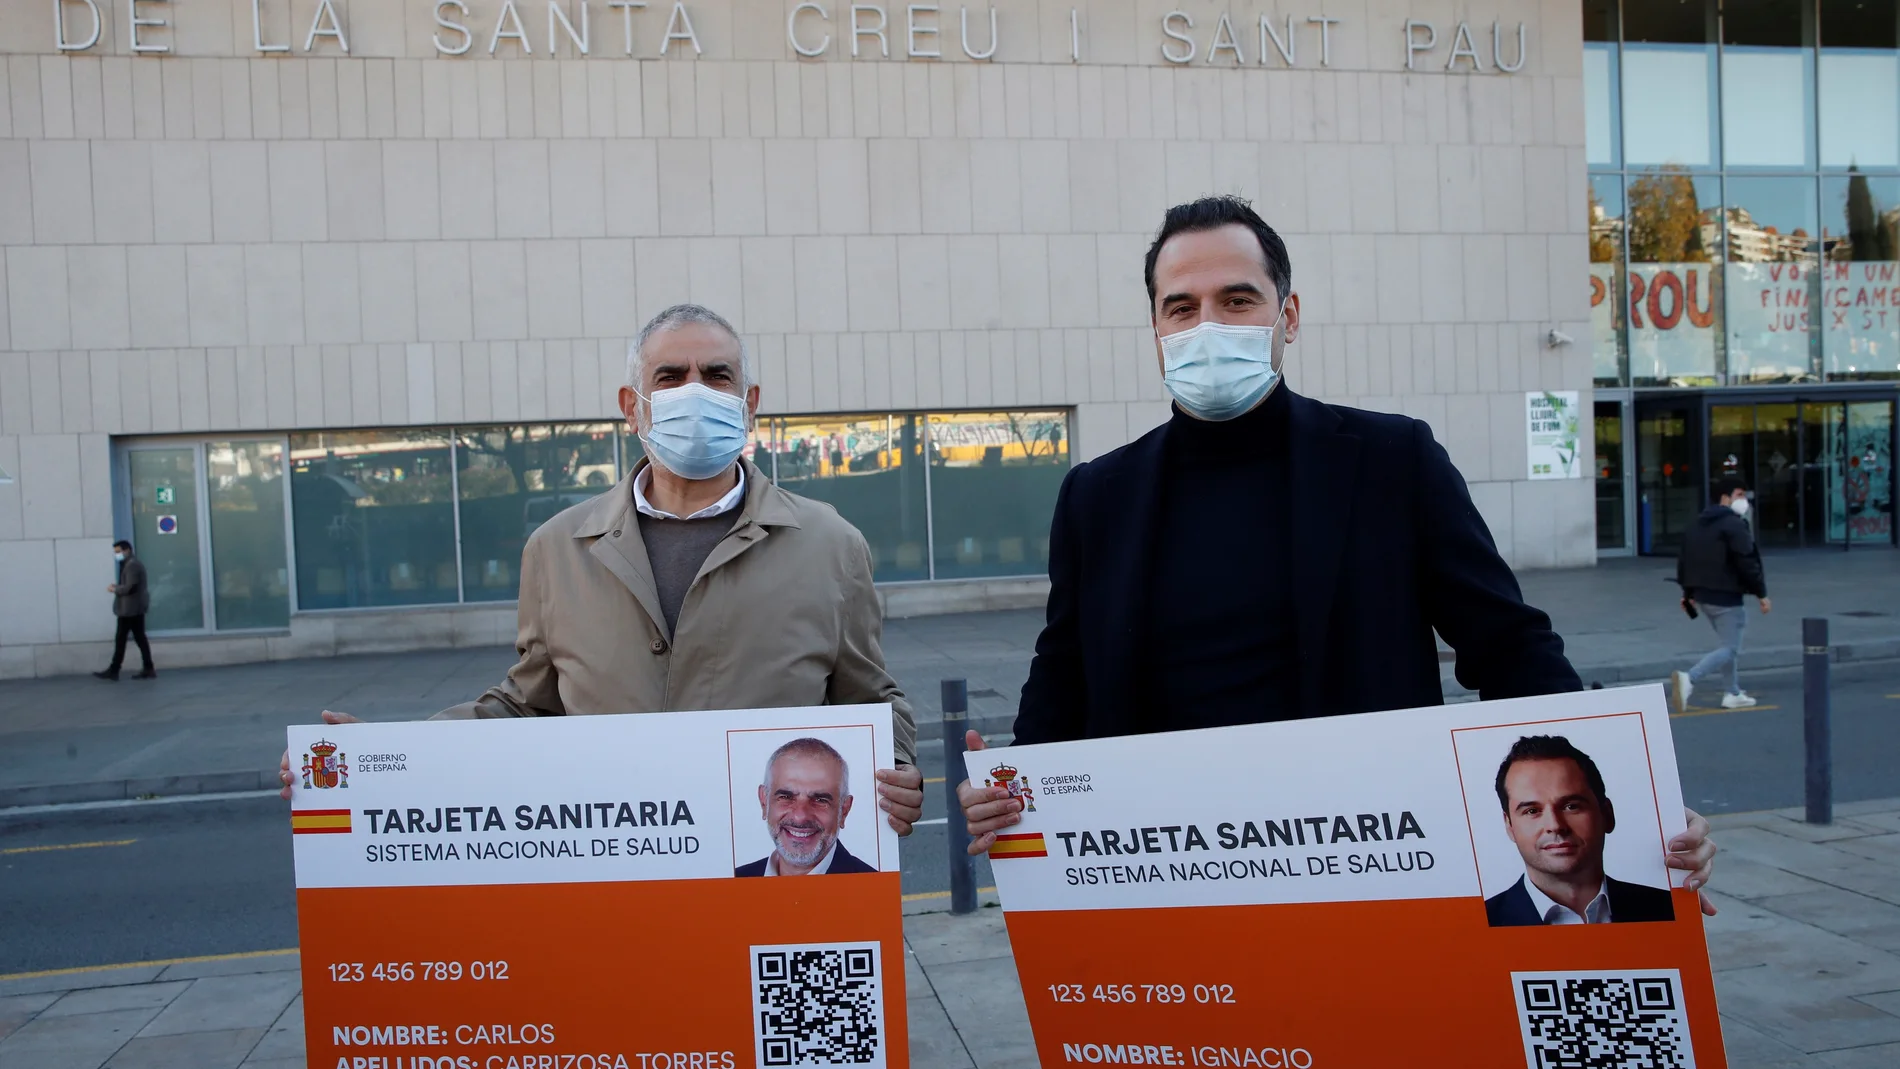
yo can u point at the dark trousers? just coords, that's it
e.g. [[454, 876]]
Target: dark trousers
[[134, 626]]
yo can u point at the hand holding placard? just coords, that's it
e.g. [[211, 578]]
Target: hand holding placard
[[986, 809]]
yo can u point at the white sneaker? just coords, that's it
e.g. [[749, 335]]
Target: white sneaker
[[1681, 688], [1736, 701]]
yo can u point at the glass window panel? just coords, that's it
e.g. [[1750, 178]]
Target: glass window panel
[[1860, 108], [250, 572], [869, 468], [374, 518], [1773, 253], [1675, 241], [1768, 83], [1607, 280], [1600, 82], [1668, 80], [1860, 285], [1767, 105], [165, 536], [993, 483], [514, 479], [1776, 482]]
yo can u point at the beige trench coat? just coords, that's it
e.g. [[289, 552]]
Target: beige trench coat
[[782, 614]]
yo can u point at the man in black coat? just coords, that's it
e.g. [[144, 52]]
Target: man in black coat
[[1719, 563], [1559, 815], [1263, 556], [131, 598]]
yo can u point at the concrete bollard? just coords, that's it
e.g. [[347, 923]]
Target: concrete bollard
[[1815, 716], [956, 713]]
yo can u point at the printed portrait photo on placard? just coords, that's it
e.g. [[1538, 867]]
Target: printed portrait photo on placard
[[1564, 823], [804, 801]]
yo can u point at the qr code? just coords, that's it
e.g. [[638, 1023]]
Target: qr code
[[1603, 1020], [818, 1004]]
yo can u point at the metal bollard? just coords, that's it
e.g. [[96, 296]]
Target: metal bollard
[[1816, 729], [956, 710]]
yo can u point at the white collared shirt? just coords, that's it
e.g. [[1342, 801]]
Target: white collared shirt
[[734, 497], [820, 869], [1555, 912]]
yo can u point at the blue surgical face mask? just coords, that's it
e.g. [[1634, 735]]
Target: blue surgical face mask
[[1220, 370], [694, 431]]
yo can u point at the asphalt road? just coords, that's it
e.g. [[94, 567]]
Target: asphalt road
[[189, 878]]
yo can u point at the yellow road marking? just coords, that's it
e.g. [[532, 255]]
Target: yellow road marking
[[146, 964], [918, 897], [939, 779], [66, 846]]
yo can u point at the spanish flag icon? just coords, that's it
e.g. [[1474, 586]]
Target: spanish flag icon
[[320, 821], [1025, 844]]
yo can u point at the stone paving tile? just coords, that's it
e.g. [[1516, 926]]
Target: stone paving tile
[[1884, 848], [285, 1038], [984, 1002], [934, 1043], [198, 1050], [1879, 1056], [1887, 821], [219, 1003], [34, 985], [940, 937], [83, 1042], [1804, 1016], [194, 970], [1842, 828], [1884, 1000], [19, 1009], [1834, 910], [109, 999], [1741, 877], [1750, 1048]]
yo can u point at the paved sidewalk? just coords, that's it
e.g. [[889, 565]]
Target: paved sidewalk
[[1806, 951], [215, 729]]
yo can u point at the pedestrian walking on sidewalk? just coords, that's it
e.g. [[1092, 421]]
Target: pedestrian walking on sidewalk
[[1720, 563], [131, 597]]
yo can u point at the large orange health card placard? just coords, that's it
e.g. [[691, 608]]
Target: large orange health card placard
[[574, 893], [1478, 884]]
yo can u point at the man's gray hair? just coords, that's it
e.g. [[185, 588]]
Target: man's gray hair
[[673, 318], [809, 747]]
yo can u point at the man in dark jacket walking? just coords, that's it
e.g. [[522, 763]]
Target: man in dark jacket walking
[[131, 596], [1719, 564]]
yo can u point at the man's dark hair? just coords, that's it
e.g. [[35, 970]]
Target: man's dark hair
[[1212, 213], [122, 544], [1555, 748], [1728, 486]]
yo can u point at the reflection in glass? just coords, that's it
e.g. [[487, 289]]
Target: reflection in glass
[[1768, 83], [1608, 359], [1860, 285], [1675, 242], [869, 468], [1669, 84], [1610, 490], [250, 577], [514, 479], [1731, 445], [1860, 84], [1772, 278], [993, 483], [1600, 81], [1823, 441], [374, 518], [165, 536]]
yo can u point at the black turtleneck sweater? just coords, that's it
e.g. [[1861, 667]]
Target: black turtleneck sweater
[[1221, 631]]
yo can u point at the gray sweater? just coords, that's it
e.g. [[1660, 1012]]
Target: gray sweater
[[677, 549]]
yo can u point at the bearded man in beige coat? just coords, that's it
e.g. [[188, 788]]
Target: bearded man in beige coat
[[696, 583]]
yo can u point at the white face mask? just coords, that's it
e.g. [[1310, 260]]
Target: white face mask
[[119, 557], [1219, 370], [695, 431], [1740, 505]]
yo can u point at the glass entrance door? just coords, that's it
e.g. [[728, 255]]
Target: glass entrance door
[[1612, 489], [1670, 486], [167, 535], [1867, 474]]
